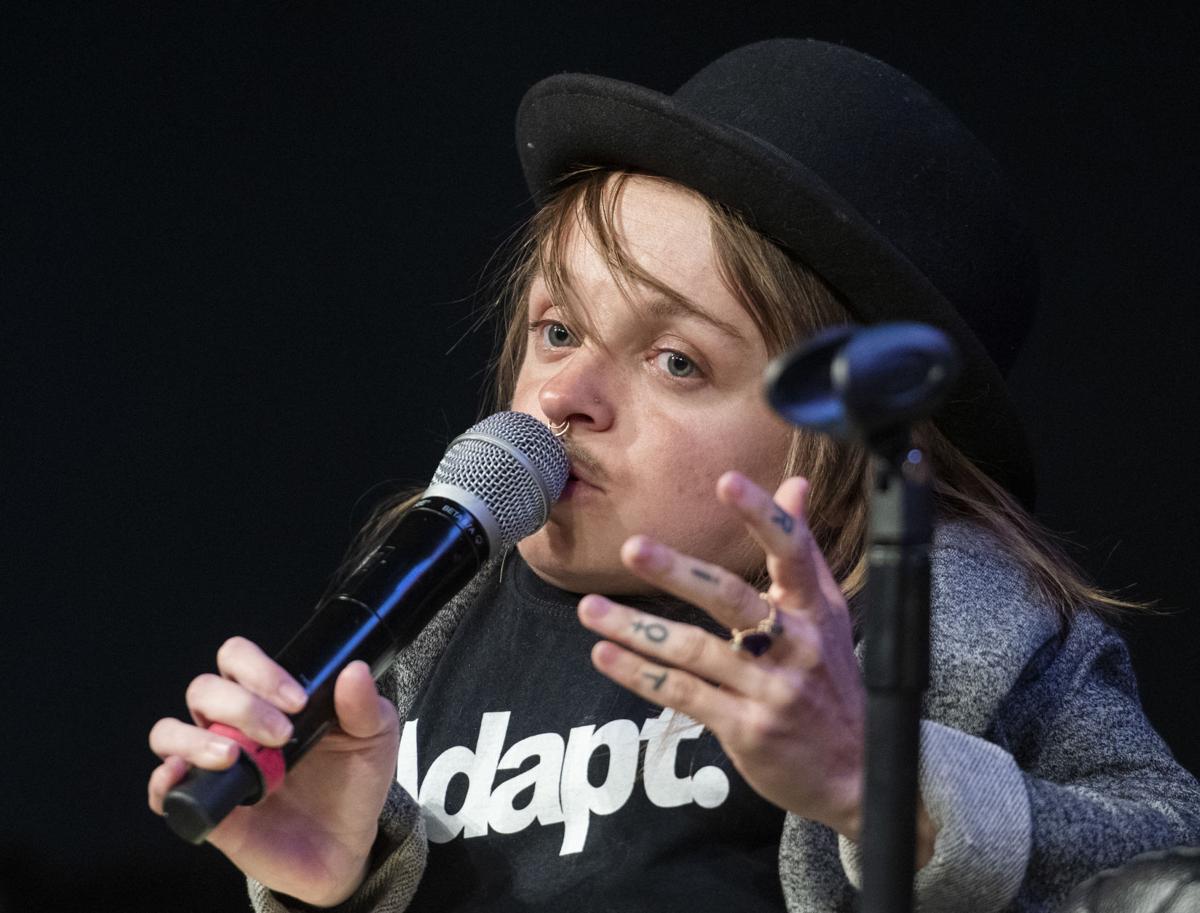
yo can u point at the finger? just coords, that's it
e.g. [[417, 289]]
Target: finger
[[792, 554], [212, 699], [244, 662], [792, 495], [361, 712], [675, 688], [672, 643], [725, 596], [162, 779], [195, 745]]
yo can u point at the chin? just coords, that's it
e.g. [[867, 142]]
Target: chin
[[569, 570]]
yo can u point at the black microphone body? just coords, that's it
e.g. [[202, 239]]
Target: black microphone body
[[435, 549]]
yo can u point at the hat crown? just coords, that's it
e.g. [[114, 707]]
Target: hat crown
[[883, 144]]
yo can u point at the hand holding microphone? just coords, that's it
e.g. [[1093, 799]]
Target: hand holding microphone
[[310, 836]]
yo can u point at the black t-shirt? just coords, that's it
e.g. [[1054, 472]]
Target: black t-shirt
[[545, 786]]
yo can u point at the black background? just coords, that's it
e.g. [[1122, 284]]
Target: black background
[[239, 248]]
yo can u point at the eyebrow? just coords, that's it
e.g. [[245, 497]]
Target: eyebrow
[[663, 307]]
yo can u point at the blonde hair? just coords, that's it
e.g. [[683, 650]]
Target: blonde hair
[[787, 302]]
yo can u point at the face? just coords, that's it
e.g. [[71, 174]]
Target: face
[[661, 399]]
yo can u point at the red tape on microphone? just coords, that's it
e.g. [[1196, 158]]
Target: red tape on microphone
[[269, 761]]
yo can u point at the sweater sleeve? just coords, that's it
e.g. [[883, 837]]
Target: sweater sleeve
[[1071, 779]]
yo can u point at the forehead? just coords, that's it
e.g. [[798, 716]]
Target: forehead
[[663, 229]]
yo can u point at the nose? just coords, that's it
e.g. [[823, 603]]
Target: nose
[[580, 392]]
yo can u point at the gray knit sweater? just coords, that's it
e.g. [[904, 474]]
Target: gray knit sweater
[[1038, 766]]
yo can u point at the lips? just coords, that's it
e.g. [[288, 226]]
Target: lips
[[576, 475], [584, 474], [578, 482]]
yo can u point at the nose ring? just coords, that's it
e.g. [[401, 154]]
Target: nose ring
[[560, 430]]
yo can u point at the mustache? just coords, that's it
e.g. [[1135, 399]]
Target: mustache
[[584, 460]]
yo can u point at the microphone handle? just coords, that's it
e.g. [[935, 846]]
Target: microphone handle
[[435, 549]]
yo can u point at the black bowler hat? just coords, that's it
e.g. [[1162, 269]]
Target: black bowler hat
[[855, 169]]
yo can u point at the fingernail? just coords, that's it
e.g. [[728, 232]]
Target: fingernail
[[219, 752], [293, 695], [281, 727], [605, 653], [594, 606], [651, 555]]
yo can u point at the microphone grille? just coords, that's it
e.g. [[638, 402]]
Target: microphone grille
[[514, 466]]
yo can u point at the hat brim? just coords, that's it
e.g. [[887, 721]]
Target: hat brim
[[580, 119]]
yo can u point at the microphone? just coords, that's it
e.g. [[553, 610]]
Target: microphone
[[864, 382], [494, 486]]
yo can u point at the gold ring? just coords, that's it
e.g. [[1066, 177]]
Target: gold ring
[[757, 640]]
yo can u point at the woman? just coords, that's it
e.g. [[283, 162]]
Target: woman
[[787, 187]]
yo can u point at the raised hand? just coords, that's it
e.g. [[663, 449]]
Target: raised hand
[[790, 720]]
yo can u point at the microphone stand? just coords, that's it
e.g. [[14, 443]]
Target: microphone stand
[[896, 665], [873, 384]]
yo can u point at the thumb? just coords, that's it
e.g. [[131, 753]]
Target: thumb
[[361, 712]]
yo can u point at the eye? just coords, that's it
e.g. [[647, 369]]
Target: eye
[[552, 334], [677, 364], [556, 335]]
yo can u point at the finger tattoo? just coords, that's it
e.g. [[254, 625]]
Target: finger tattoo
[[657, 679], [654, 631], [704, 575], [782, 519]]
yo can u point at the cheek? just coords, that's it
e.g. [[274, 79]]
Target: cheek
[[679, 504], [756, 448], [524, 398], [692, 479], [691, 515]]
